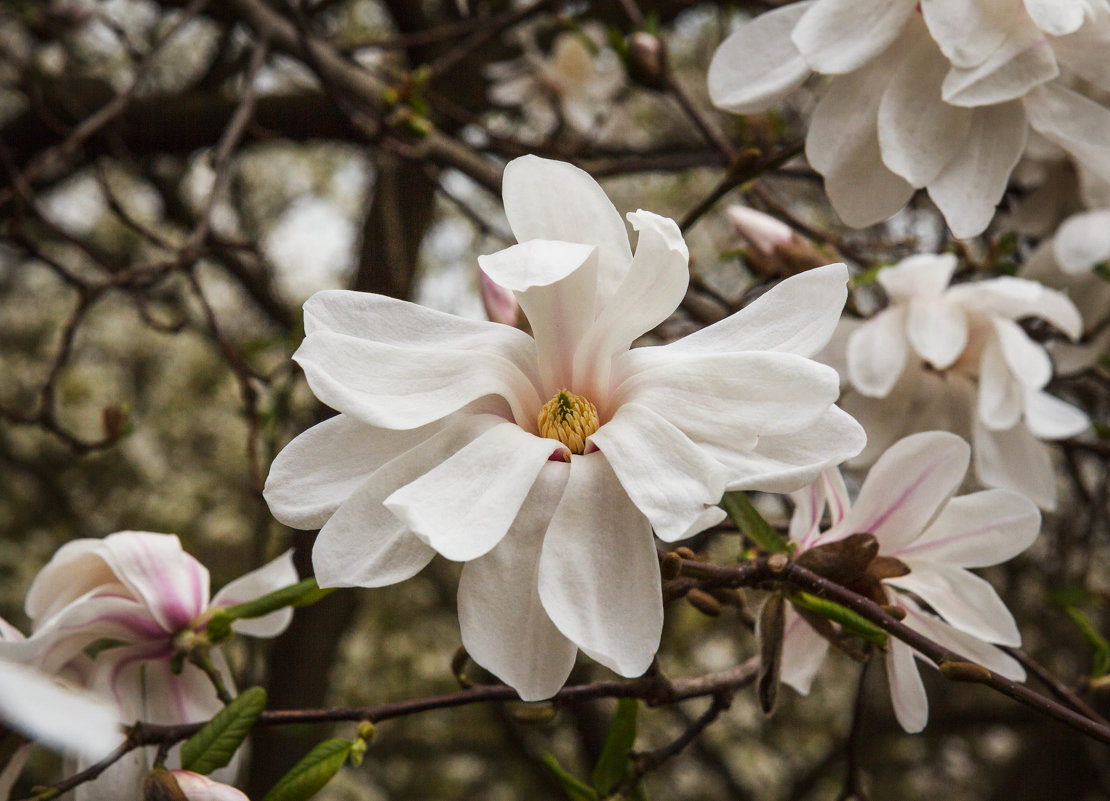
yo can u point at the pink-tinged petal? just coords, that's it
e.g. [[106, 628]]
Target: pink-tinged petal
[[465, 505], [366, 545], [970, 186], [500, 304], [968, 33], [877, 353], [918, 277], [650, 292], [758, 65], [803, 652], [836, 494], [1015, 298], [797, 315], [840, 36], [669, 478], [977, 530], [963, 599], [266, 579], [547, 199], [906, 488], [599, 574], [1074, 122], [1083, 241], [918, 132], [787, 462], [1015, 460], [809, 508], [504, 626], [960, 642], [1057, 17], [556, 285], [405, 388], [907, 692], [1001, 395], [9, 774], [172, 584], [937, 330], [8, 632], [1051, 418], [74, 570], [760, 230], [201, 788], [1023, 61]]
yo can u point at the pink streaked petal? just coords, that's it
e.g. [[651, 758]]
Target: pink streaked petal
[[977, 530], [958, 641], [172, 584], [809, 507], [201, 788], [965, 600]]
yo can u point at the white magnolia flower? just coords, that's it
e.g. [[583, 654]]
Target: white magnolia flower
[[545, 463], [196, 787], [937, 94], [954, 357], [906, 503], [138, 594]]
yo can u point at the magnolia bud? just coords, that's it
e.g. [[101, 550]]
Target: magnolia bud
[[775, 249], [647, 60], [703, 602], [670, 566]]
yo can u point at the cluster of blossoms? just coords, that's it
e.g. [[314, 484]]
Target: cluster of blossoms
[[936, 94]]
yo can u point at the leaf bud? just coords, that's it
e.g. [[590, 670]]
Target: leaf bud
[[670, 566], [703, 602], [646, 60], [964, 671]]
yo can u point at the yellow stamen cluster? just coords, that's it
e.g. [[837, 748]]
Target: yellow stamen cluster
[[568, 418]]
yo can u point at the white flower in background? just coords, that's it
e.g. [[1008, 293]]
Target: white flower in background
[[140, 593], [938, 94], [906, 503], [545, 463], [953, 357]]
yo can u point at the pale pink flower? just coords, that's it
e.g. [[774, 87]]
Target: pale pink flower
[[201, 788]]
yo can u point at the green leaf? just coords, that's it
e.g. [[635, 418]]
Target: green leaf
[[308, 776], [613, 763], [752, 525], [1100, 648], [212, 746], [849, 620], [572, 788], [302, 593]]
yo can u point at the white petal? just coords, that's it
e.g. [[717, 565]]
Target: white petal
[[1015, 298], [1084, 53], [1082, 241], [907, 486], [1026, 359], [970, 186], [967, 32], [322, 467], [75, 569], [1051, 418], [797, 315], [839, 36], [1057, 17], [1074, 122], [463, 506], [201, 788], [599, 573], [669, 478], [925, 275], [61, 718], [402, 387], [809, 508], [758, 65], [1022, 62], [803, 652], [1015, 460], [170, 582], [547, 199], [907, 693], [937, 330], [964, 644], [272, 576], [556, 285], [877, 353], [918, 132], [963, 599], [977, 530], [1001, 395], [504, 626]]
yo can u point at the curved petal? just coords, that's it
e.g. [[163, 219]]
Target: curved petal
[[907, 692], [1026, 360], [272, 576], [1057, 17], [967, 33], [1015, 460], [1082, 241], [1074, 122], [1001, 395], [504, 626], [547, 199], [670, 479], [75, 569], [925, 275], [599, 573], [977, 530], [1015, 298], [463, 506], [963, 599], [171, 583], [840, 36], [1051, 418], [877, 353], [1023, 61], [937, 330], [803, 652], [961, 642], [906, 488], [758, 65], [809, 508], [1084, 53], [970, 186], [201, 788]]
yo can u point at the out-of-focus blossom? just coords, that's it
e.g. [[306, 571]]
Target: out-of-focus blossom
[[927, 541], [938, 94], [545, 462], [776, 249], [954, 357]]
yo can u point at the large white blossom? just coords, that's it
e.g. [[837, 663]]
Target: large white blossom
[[906, 503], [938, 94], [954, 357], [545, 462]]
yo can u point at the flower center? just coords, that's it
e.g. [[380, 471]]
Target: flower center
[[568, 418]]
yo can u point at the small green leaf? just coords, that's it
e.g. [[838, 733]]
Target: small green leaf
[[572, 788], [849, 620], [612, 765], [302, 593], [752, 525], [212, 746], [1100, 648], [309, 776]]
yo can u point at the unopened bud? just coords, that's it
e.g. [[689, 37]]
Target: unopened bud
[[964, 671], [703, 602], [896, 612], [366, 730], [458, 667], [778, 562], [160, 785], [670, 566], [114, 421], [685, 552], [775, 248], [647, 60], [533, 714]]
